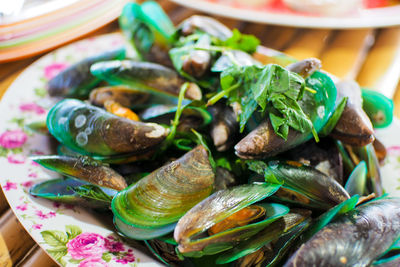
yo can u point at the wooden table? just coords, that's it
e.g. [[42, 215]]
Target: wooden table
[[370, 56]]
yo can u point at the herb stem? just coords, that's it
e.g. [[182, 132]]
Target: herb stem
[[310, 90], [221, 94]]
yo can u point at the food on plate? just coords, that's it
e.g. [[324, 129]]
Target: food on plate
[[208, 154]]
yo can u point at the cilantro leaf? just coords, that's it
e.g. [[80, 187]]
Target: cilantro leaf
[[245, 42]]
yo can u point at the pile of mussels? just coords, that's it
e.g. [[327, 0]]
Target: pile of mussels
[[215, 150]]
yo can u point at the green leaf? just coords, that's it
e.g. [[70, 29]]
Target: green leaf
[[92, 192], [333, 120], [262, 168], [74, 261], [55, 238], [40, 92], [58, 253], [107, 256], [3, 151], [72, 231], [245, 42]]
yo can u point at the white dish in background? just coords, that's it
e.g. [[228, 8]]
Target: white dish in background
[[364, 18], [72, 235]]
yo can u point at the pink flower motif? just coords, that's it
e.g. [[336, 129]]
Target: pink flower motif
[[53, 69], [93, 262], [32, 107], [37, 226], [86, 245], [33, 163], [41, 215], [51, 214], [56, 205], [33, 175], [22, 207], [13, 139], [16, 159], [113, 246], [9, 186], [27, 184], [129, 257], [394, 150]]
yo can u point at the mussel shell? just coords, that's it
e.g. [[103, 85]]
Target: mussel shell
[[305, 67], [224, 128], [354, 127], [163, 196], [324, 156], [76, 80], [93, 131], [268, 234], [356, 184], [356, 238], [308, 181], [204, 24], [145, 76], [60, 190], [378, 107], [262, 142], [83, 168], [241, 59], [123, 95], [216, 208]]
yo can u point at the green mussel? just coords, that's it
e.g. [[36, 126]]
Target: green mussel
[[90, 130], [204, 24], [123, 95], [262, 142], [83, 168], [75, 192], [355, 238], [152, 206], [145, 76], [378, 107], [190, 232], [354, 127], [76, 80]]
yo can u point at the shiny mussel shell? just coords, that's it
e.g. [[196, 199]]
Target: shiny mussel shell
[[76, 80], [356, 238], [93, 131], [218, 207], [163, 196], [354, 127], [123, 95], [145, 76]]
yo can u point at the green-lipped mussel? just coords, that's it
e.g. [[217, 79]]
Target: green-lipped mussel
[[93, 131]]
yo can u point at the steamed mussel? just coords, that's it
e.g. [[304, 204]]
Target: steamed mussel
[[229, 157]]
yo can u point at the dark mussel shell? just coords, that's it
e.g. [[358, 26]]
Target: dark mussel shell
[[123, 95], [356, 238], [93, 131], [354, 127], [76, 80]]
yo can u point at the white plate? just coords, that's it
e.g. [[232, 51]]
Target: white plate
[[26, 101], [364, 18]]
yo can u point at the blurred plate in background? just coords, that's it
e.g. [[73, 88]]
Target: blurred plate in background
[[372, 13]]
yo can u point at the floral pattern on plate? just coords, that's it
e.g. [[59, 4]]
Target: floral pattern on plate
[[71, 235]]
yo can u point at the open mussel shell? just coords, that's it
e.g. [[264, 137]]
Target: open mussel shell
[[356, 184], [224, 127], [272, 232], [324, 156], [204, 24], [123, 95], [322, 191], [76, 80], [354, 127], [93, 131], [84, 168], [355, 238], [145, 76], [378, 107], [149, 30], [219, 207], [262, 142], [191, 117], [62, 190], [162, 197]]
